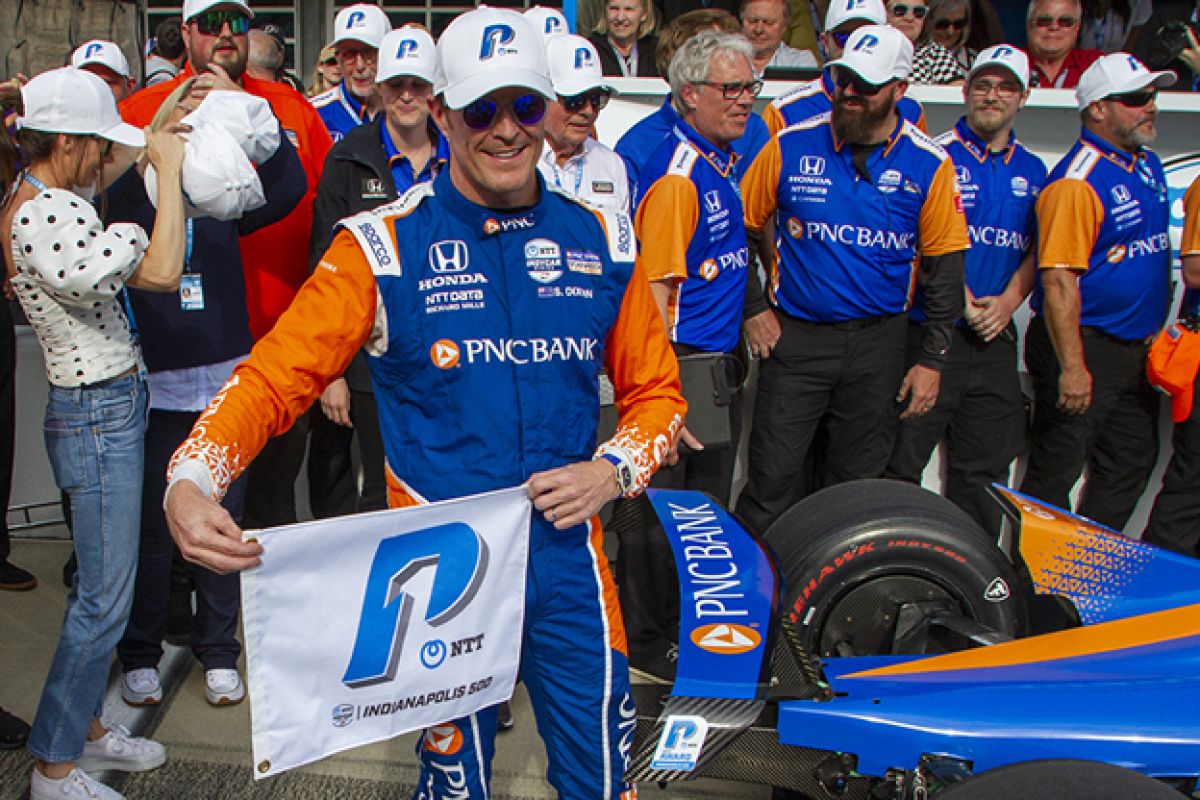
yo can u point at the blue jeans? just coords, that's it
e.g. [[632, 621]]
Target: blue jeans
[[94, 440]]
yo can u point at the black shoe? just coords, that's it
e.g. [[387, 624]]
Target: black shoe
[[14, 731], [15, 579], [504, 720]]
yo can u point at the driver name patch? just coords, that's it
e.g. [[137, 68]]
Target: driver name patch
[[680, 744]]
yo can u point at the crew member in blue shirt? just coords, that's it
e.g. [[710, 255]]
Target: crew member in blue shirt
[[866, 206], [358, 31], [980, 410], [1104, 261]]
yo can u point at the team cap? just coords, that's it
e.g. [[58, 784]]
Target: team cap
[[574, 65], [488, 49], [1006, 56], [105, 54], [194, 8], [877, 54], [69, 100], [1117, 73], [548, 21], [406, 51], [361, 22], [842, 11]]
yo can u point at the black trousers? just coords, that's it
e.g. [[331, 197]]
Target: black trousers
[[1116, 439], [845, 374], [8, 414], [1175, 521], [332, 488], [980, 412], [218, 597], [271, 478]]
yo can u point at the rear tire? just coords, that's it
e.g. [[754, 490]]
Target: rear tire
[[854, 553], [1060, 780]]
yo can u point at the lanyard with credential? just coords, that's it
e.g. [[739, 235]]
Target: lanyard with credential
[[578, 177], [191, 285]]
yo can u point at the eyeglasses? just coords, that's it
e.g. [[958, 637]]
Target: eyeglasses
[[1048, 20], [1005, 90], [210, 23], [902, 10], [527, 109], [369, 55], [732, 91], [1133, 99], [947, 24], [597, 97], [845, 78]]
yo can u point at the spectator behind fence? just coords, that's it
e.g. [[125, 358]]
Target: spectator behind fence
[[166, 56], [764, 23], [1104, 261], [1055, 59], [1113, 25], [1169, 41], [624, 38], [326, 73], [942, 56], [67, 271]]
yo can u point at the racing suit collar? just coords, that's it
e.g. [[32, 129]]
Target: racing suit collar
[[975, 144], [489, 221], [1122, 158]]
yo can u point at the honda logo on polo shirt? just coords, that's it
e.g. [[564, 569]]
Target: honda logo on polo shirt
[[812, 166], [448, 256], [964, 175], [712, 201], [1121, 194], [447, 354]]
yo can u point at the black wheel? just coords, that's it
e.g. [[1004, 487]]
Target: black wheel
[[859, 557], [1060, 780]]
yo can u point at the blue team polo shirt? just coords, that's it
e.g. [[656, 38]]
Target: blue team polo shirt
[[339, 111], [999, 195], [816, 97], [692, 232], [1122, 199], [401, 167]]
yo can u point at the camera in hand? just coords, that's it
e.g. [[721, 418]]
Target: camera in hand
[[1168, 43]]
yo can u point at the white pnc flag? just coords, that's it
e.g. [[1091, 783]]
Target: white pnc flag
[[365, 627]]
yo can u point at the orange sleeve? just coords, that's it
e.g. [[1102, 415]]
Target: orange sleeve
[[760, 185], [665, 223], [1069, 217], [312, 344], [774, 119], [645, 377], [1190, 243], [943, 226]]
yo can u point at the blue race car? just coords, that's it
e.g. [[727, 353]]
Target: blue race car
[[880, 645]]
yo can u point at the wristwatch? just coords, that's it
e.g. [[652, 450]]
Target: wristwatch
[[624, 474]]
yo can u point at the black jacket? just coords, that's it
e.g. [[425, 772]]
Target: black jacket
[[609, 65], [1149, 49]]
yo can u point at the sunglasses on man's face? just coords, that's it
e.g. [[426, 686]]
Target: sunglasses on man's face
[[210, 23], [1133, 99], [947, 24], [575, 103], [846, 79], [1048, 21], [330, 62], [528, 109], [902, 10]]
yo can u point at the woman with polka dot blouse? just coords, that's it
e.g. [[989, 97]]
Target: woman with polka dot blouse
[[68, 270]]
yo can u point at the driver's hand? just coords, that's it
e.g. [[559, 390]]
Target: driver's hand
[[205, 532], [573, 494]]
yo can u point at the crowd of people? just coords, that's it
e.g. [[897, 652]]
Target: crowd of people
[[208, 313]]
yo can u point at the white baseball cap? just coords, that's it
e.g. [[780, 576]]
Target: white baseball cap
[[1117, 73], [192, 8], [105, 54], [407, 51], [877, 54], [574, 65], [69, 100], [488, 49], [1006, 56], [361, 22], [842, 11], [548, 21]]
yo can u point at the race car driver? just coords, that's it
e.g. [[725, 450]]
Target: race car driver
[[486, 386], [857, 194], [980, 409]]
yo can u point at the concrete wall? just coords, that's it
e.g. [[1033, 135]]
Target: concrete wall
[[37, 35]]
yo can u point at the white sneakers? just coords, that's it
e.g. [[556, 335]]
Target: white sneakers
[[78, 784], [118, 750], [223, 687], [141, 687]]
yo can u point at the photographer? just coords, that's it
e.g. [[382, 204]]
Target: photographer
[[1170, 41]]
